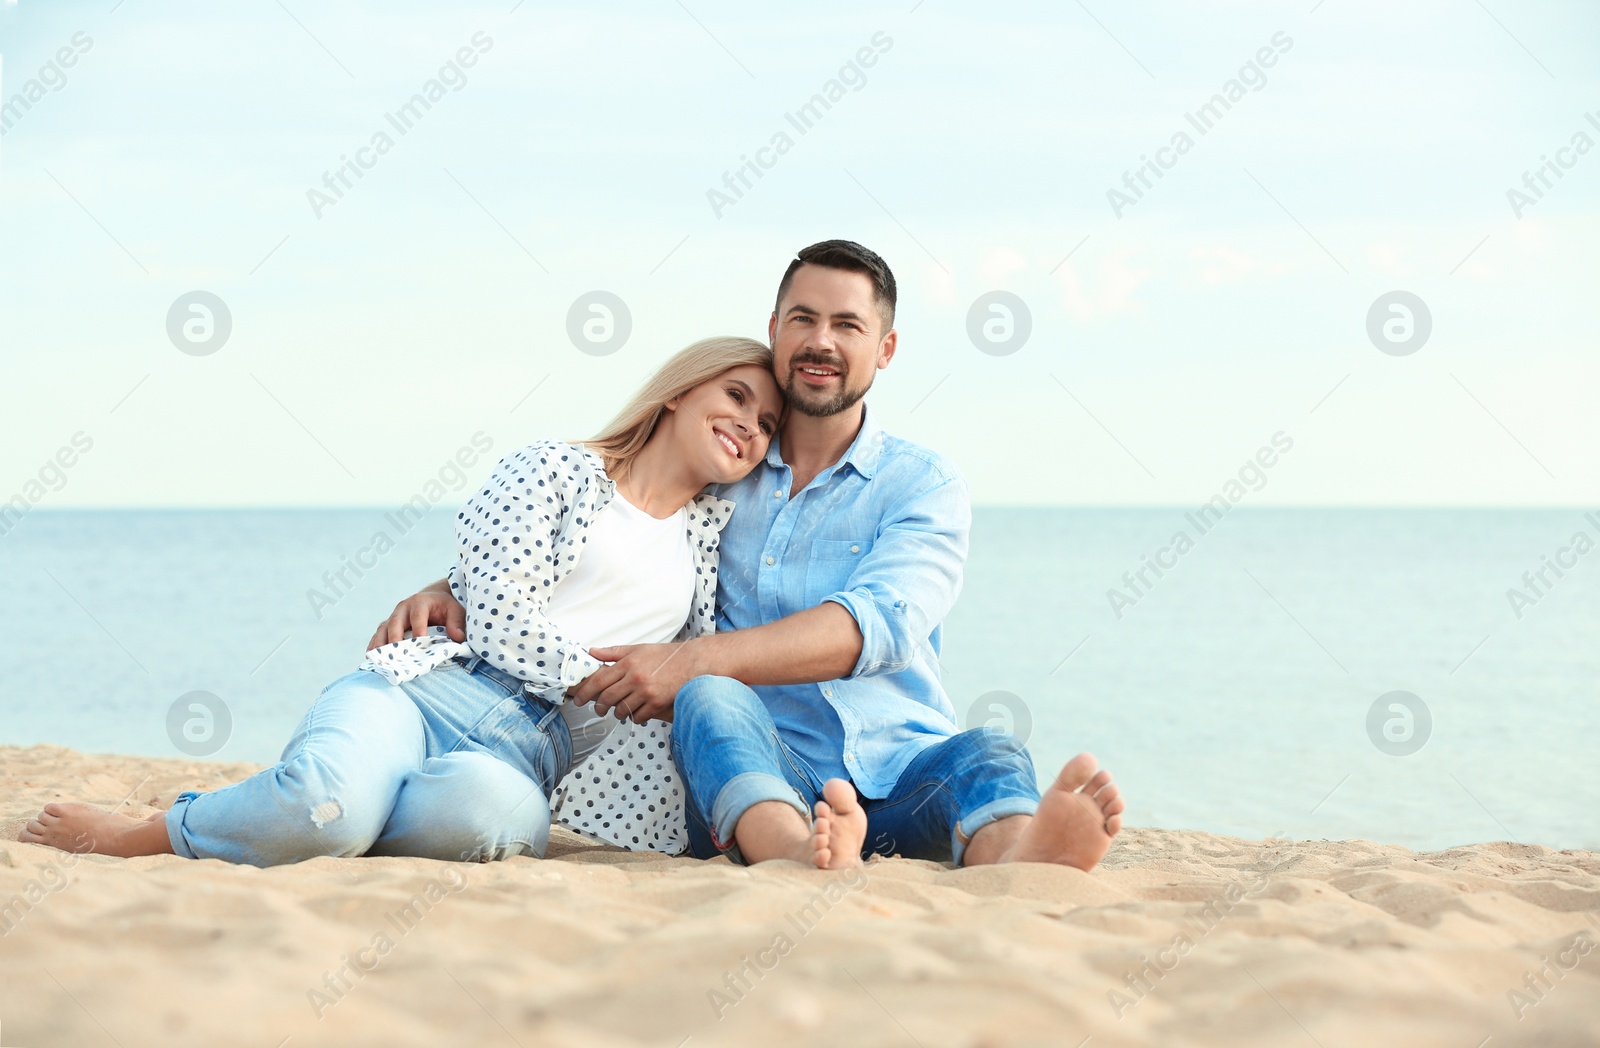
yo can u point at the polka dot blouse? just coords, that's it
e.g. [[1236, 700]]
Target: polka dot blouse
[[516, 539]]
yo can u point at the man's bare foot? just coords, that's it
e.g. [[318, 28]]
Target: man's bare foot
[[832, 840], [76, 827], [839, 827], [1077, 817]]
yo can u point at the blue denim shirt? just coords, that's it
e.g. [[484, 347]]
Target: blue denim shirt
[[883, 532]]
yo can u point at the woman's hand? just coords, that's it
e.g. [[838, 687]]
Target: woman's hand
[[430, 606]]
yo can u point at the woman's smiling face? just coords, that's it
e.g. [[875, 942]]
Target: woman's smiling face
[[727, 423]]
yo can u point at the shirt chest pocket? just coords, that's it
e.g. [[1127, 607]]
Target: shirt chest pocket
[[829, 565]]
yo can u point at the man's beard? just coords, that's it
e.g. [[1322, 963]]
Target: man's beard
[[845, 399]]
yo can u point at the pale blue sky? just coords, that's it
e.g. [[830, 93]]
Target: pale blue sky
[[369, 343]]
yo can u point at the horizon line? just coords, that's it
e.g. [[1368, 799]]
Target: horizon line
[[1182, 507]]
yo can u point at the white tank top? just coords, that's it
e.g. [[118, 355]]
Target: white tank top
[[633, 584]]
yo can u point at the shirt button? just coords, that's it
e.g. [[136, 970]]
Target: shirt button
[[777, 494], [771, 560], [855, 549], [828, 692]]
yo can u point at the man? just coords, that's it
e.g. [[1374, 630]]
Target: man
[[815, 714]]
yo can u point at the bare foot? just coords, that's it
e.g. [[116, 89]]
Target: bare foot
[[1077, 817], [839, 827], [76, 827]]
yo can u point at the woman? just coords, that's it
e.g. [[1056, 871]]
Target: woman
[[451, 750]]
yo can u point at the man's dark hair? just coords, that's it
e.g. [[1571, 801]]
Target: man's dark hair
[[851, 257]]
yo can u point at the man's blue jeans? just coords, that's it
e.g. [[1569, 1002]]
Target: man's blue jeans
[[455, 765], [732, 756]]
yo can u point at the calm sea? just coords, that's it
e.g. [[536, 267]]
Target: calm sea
[[1250, 688]]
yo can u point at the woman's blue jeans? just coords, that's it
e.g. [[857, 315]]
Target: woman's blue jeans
[[456, 765]]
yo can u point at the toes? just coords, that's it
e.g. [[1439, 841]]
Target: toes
[[1115, 806], [1077, 772], [821, 834], [1101, 780], [841, 796], [1113, 825]]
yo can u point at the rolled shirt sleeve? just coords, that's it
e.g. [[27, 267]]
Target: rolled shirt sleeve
[[909, 580]]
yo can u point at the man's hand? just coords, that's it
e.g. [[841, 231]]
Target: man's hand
[[641, 682], [430, 606]]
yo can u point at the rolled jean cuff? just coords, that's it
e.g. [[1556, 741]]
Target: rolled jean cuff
[[174, 821], [967, 828], [741, 793]]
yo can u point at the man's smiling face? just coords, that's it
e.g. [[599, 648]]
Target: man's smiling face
[[828, 337]]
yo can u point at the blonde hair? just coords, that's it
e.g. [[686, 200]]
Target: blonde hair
[[620, 442]]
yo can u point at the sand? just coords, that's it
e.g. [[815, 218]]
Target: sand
[[1179, 938]]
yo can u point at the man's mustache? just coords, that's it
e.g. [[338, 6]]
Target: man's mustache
[[837, 365]]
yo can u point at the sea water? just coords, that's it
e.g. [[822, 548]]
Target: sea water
[[1301, 672]]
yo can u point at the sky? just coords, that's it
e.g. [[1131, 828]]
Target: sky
[[237, 270]]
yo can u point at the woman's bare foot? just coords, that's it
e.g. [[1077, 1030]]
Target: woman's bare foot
[[76, 827], [1077, 817], [839, 827]]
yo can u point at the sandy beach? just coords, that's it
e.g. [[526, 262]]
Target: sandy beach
[[1179, 938]]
